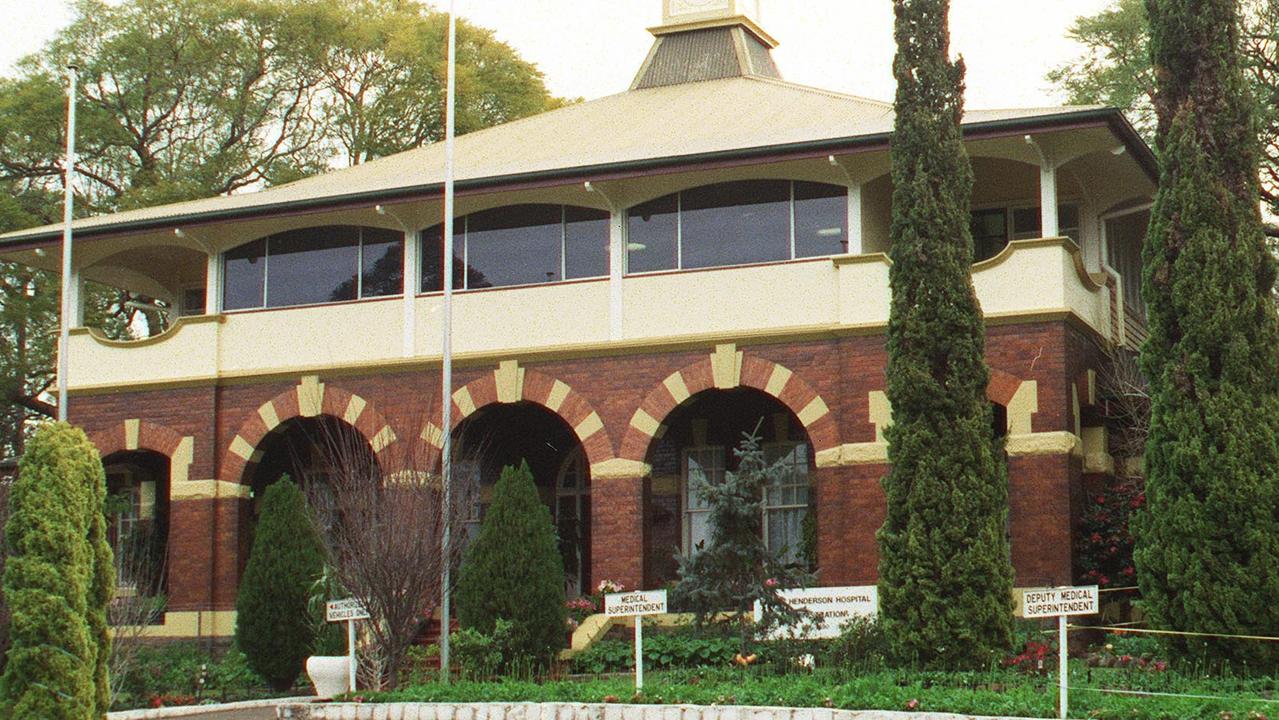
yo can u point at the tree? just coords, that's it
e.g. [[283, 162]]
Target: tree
[[945, 580], [1207, 550], [1115, 70], [736, 570], [273, 626], [513, 571], [183, 99], [54, 576], [363, 506]]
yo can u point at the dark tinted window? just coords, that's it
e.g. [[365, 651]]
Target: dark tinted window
[[990, 233], [821, 219], [383, 263], [651, 236], [244, 270], [735, 223], [312, 266], [515, 245], [433, 257], [585, 242]]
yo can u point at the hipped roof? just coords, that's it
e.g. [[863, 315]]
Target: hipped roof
[[733, 117]]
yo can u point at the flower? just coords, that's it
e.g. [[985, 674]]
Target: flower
[[770, 583], [912, 704]]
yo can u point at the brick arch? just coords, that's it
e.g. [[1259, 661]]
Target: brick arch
[[144, 436], [310, 398], [1003, 385], [728, 368], [510, 383]]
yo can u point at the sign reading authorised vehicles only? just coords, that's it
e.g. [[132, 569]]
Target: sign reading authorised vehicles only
[[343, 610]]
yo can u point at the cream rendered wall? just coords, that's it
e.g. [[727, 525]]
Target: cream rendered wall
[[1029, 278]]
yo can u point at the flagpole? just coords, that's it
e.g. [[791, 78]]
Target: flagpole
[[446, 424], [68, 199]]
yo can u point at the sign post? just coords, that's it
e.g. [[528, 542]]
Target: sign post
[[348, 611], [1060, 602], [637, 605]]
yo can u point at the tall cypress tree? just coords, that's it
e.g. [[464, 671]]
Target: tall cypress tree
[[945, 580], [1207, 550]]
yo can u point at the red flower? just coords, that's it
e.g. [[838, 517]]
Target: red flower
[[912, 704]]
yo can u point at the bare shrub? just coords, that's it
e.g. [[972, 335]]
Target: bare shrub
[[382, 518]]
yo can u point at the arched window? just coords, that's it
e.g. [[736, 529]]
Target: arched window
[[737, 223], [519, 245], [314, 265]]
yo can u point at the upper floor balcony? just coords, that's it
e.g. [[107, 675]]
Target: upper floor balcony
[[790, 248]]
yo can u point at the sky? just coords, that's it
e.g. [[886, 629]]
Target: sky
[[592, 48]]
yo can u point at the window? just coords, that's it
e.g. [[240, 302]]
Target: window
[[313, 265], [1124, 237], [992, 228], [519, 245], [702, 466], [737, 223], [786, 498]]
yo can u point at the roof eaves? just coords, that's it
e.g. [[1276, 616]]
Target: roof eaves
[[1057, 121]]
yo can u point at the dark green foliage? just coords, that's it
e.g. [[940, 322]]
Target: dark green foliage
[[1207, 549], [861, 646], [52, 581], [945, 580], [736, 569], [513, 571], [273, 626], [172, 673], [661, 652]]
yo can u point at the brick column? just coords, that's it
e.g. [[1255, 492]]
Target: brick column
[[1044, 498], [850, 510], [617, 530]]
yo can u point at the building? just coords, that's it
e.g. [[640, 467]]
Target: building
[[647, 276]]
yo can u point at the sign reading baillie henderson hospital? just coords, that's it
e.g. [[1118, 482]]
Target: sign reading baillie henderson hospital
[[828, 609]]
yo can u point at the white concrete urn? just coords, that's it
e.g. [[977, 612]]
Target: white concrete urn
[[329, 674]]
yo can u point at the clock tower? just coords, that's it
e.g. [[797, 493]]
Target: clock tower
[[707, 40]]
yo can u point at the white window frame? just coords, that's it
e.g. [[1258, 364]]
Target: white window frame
[[783, 449], [686, 491]]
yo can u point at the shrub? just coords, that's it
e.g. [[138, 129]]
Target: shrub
[[861, 646], [273, 625], [483, 655], [661, 652], [182, 673], [54, 580], [513, 571]]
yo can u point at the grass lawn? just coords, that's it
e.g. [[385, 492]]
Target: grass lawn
[[997, 692]]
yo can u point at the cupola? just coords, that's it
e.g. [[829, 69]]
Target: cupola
[[707, 40]]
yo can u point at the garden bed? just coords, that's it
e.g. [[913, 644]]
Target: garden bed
[[1001, 693]]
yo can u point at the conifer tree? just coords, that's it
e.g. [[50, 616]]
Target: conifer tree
[[513, 571], [736, 569], [52, 582], [945, 579], [1207, 548], [273, 623]]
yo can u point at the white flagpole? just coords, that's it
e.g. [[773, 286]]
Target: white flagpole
[[446, 424], [68, 198]]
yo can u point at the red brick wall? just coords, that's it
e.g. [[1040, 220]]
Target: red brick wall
[[1045, 490]]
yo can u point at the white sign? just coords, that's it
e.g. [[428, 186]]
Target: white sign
[[641, 602], [829, 608], [343, 610], [1054, 602]]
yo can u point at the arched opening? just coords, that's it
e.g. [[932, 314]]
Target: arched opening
[[137, 510], [497, 436], [309, 450], [698, 446]]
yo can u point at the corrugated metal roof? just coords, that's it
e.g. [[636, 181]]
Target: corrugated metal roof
[[692, 119]]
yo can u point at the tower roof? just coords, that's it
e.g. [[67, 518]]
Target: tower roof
[[707, 40]]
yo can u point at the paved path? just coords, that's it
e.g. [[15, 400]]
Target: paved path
[[267, 713]]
